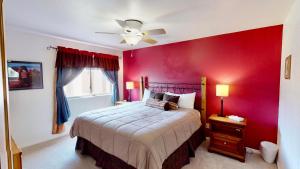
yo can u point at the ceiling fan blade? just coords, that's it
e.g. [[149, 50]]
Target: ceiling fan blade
[[121, 23], [150, 40], [123, 41], [108, 33], [155, 32]]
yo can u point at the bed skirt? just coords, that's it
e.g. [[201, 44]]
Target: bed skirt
[[176, 160]]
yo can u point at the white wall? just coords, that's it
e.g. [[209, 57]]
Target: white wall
[[32, 110], [289, 107]]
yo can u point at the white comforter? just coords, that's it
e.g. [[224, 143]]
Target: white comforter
[[137, 134]]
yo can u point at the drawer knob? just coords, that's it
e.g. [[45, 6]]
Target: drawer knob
[[225, 142]]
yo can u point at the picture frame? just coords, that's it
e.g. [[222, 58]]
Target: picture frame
[[287, 68], [23, 75]]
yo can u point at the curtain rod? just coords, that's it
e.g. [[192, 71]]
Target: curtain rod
[[55, 48], [51, 47]]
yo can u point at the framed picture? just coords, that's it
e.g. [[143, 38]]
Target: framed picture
[[25, 75], [287, 69]]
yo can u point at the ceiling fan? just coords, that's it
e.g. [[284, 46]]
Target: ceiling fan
[[132, 33]]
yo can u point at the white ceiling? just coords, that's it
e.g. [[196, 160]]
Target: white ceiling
[[182, 19]]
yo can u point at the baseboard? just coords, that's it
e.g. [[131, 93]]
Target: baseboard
[[252, 150], [41, 144], [278, 166]]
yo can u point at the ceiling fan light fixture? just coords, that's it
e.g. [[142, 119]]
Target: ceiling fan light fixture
[[132, 33], [132, 39]]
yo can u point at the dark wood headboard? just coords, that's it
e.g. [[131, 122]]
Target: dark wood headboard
[[180, 88]]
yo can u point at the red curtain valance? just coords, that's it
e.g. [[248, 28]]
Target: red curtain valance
[[74, 58]]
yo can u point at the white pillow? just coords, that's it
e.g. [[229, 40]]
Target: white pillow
[[146, 96], [185, 100]]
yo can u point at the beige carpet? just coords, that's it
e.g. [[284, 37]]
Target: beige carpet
[[60, 154]]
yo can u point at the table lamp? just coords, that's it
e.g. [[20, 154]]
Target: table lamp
[[222, 90], [129, 87]]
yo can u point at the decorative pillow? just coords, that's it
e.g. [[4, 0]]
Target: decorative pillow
[[172, 101], [173, 106], [146, 95], [185, 100], [171, 98], [158, 96], [163, 105]]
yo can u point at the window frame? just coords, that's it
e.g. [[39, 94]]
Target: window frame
[[91, 94]]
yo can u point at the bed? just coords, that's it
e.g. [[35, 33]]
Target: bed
[[135, 136]]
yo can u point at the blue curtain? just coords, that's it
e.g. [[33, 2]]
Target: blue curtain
[[113, 78], [64, 76]]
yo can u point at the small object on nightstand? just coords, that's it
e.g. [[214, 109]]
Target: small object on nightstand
[[236, 118], [121, 102], [227, 137]]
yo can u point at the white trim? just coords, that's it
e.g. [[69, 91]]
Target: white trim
[[252, 151], [88, 96], [277, 164], [36, 32], [28, 148]]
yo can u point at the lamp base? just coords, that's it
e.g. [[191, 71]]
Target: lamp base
[[129, 95], [221, 115]]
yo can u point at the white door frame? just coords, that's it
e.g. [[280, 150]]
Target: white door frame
[[5, 148]]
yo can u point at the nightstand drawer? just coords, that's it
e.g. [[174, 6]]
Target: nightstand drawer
[[225, 144], [227, 129]]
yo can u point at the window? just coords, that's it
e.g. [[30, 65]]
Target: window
[[88, 83]]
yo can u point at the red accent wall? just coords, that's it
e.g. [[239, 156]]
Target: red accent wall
[[249, 61]]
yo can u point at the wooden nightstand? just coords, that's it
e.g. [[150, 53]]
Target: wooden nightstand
[[227, 137], [121, 102]]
